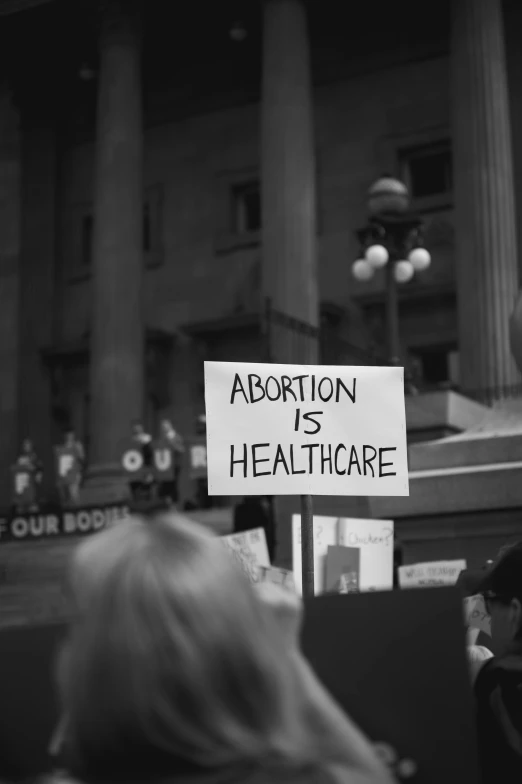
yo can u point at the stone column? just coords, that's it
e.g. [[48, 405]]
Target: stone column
[[117, 333], [288, 178], [289, 262], [486, 252]]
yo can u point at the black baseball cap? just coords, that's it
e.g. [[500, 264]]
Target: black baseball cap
[[504, 579]]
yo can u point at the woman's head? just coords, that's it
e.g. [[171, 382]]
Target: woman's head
[[172, 655]]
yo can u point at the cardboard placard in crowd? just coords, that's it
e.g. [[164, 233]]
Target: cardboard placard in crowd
[[197, 456], [374, 539], [282, 577], [476, 614], [430, 573], [68, 465], [343, 564], [396, 661], [250, 549], [23, 485], [305, 430]]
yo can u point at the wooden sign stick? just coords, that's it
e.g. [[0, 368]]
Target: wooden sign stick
[[307, 545]]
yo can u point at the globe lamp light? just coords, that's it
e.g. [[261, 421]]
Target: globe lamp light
[[362, 270], [403, 271], [420, 259], [377, 256]]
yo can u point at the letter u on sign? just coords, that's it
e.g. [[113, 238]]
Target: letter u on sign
[[163, 459]]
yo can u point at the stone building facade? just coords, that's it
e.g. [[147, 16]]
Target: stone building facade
[[132, 152]]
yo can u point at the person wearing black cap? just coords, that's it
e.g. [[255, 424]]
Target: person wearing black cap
[[498, 686]]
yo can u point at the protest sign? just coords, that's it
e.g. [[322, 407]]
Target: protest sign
[[282, 577], [68, 466], [301, 430], [396, 662], [430, 573], [54, 522], [250, 550], [343, 567], [163, 460], [475, 614], [374, 539], [24, 485], [197, 453], [133, 461]]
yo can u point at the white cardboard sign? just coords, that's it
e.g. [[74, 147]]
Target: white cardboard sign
[[305, 430], [430, 573], [374, 538], [250, 550]]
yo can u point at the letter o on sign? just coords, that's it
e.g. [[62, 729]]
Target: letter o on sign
[[132, 461]]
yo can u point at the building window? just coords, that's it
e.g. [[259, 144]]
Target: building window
[[246, 208], [428, 173], [152, 232]]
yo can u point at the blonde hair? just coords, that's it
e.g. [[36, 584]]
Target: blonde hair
[[172, 656]]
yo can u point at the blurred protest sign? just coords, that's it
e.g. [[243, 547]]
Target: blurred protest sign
[[133, 461], [475, 614], [23, 485], [430, 573], [250, 549], [28, 697], [282, 577], [303, 430], [373, 538], [68, 465], [163, 460], [342, 569], [396, 661], [197, 456]]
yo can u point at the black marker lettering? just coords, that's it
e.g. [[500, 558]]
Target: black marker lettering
[[286, 385], [326, 459], [257, 385], [292, 462], [256, 460], [271, 378], [238, 462], [310, 448], [301, 390], [313, 389], [309, 418], [385, 465], [326, 399], [280, 458], [341, 446], [340, 384], [353, 459], [368, 460], [297, 417], [237, 386]]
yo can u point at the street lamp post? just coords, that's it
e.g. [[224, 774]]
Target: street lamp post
[[392, 240]]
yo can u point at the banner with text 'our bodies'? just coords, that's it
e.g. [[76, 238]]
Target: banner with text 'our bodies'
[[302, 429]]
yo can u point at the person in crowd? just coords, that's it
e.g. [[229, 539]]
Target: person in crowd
[[70, 492], [28, 459], [178, 668], [142, 488], [169, 490], [256, 512], [498, 684]]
